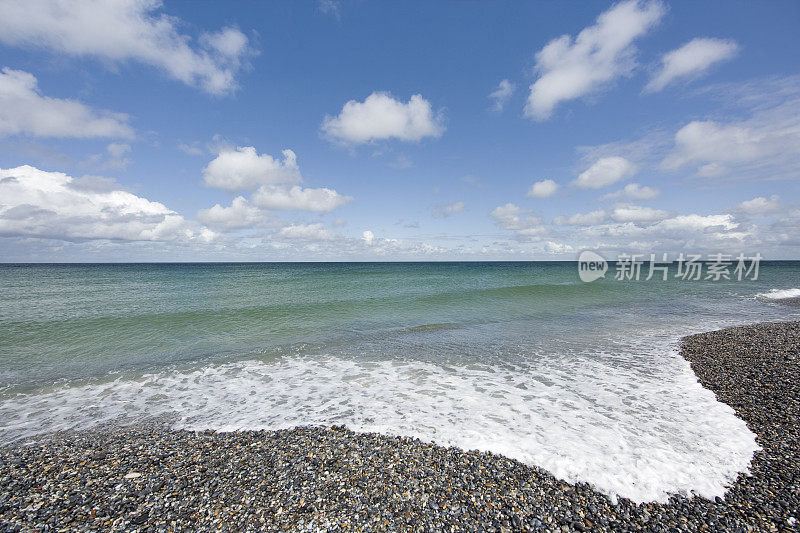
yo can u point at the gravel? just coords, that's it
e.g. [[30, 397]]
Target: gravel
[[149, 477]]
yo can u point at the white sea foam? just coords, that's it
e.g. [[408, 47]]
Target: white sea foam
[[779, 294], [636, 426]]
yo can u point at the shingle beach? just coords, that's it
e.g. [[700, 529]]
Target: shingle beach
[[149, 477]]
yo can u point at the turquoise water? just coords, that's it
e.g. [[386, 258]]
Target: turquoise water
[[518, 358]]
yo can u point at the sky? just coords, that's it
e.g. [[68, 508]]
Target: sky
[[141, 130]]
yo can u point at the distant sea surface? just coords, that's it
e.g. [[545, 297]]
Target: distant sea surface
[[522, 359]]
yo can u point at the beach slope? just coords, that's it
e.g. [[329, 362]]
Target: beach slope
[[152, 478]]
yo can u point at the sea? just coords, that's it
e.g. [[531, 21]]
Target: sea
[[523, 359]]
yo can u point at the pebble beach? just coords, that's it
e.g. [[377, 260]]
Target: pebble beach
[[149, 477]]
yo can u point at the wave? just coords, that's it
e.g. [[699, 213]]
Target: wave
[[430, 327], [779, 294], [641, 428]]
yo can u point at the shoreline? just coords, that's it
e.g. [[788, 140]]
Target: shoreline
[[151, 477]]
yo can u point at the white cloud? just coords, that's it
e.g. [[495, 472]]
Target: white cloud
[[691, 60], [36, 203], [274, 181], [716, 147], [711, 170], [127, 30], [637, 213], [557, 248], [605, 171], [761, 205], [635, 192], [533, 232], [305, 232], [693, 233], [368, 237], [694, 222], [239, 215], [501, 95], [449, 209], [521, 221], [313, 240], [117, 159], [508, 216], [569, 69], [117, 150], [228, 43], [542, 189], [243, 169], [581, 219], [765, 145], [382, 117], [701, 141], [297, 198], [25, 111]]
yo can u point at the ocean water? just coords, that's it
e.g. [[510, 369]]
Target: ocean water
[[522, 359]]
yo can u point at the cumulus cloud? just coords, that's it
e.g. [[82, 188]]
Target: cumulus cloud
[[696, 222], [368, 237], [305, 232], [558, 248], [715, 147], [570, 68], [25, 111], [761, 205], [127, 30], [53, 205], [240, 214], [637, 213], [381, 117], [243, 169], [691, 60], [508, 216], [445, 211], [314, 240], [501, 95], [605, 171], [542, 189], [581, 219], [297, 198], [764, 145], [275, 182], [680, 233], [521, 221], [635, 192]]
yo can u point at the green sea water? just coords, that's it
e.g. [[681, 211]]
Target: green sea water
[[518, 358]]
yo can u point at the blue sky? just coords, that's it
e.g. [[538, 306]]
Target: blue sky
[[146, 131]]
